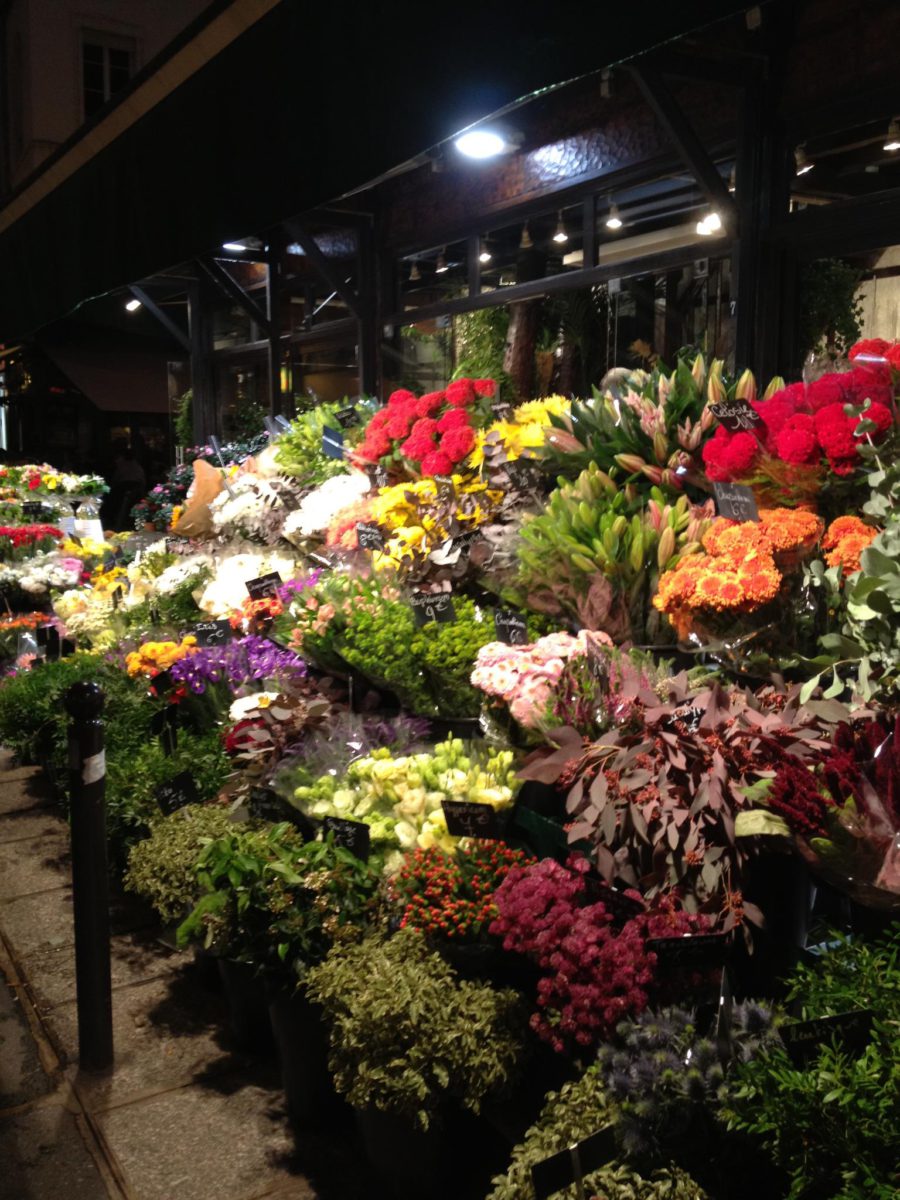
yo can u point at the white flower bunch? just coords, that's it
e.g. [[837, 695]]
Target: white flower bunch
[[180, 573], [318, 509], [40, 574], [227, 590]]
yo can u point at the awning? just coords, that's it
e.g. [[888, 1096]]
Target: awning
[[275, 106]]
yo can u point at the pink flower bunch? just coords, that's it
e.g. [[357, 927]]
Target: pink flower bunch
[[434, 432], [804, 424], [525, 677], [594, 974]]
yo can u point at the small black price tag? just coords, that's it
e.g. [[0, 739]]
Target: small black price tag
[[523, 473], [286, 497], [332, 442], [738, 416], [379, 478], [688, 716], [598, 662], [265, 804], [511, 627], [370, 537], [264, 585], [164, 724], [804, 1039], [347, 417], [570, 1166], [697, 950], [33, 510], [502, 410], [735, 501], [177, 793], [446, 489], [354, 836], [432, 606], [467, 818], [117, 593], [212, 633]]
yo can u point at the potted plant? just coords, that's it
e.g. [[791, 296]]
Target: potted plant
[[407, 1039]]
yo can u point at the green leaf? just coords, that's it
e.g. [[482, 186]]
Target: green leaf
[[809, 687]]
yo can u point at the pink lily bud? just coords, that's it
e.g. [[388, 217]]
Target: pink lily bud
[[654, 474], [630, 462], [698, 370], [660, 447], [776, 383], [746, 387]]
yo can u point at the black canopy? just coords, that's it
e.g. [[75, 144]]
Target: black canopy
[[310, 101]]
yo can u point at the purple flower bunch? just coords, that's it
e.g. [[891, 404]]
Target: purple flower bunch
[[241, 661], [291, 590]]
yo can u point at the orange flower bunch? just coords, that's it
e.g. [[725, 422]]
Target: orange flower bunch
[[255, 612], [740, 570], [155, 657], [24, 621], [844, 541]]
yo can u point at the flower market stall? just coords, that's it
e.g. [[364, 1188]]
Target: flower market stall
[[534, 767]]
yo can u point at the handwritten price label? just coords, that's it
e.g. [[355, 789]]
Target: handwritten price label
[[736, 415], [432, 606], [466, 818]]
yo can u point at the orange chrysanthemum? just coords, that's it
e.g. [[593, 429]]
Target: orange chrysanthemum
[[790, 528], [842, 527], [849, 549]]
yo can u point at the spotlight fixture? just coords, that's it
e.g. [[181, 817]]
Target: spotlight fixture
[[132, 305], [414, 273], [892, 141], [801, 162], [560, 237], [525, 242], [481, 143], [485, 256], [732, 181], [710, 224], [613, 220], [234, 246], [441, 265]]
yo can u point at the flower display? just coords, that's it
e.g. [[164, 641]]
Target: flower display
[[154, 657], [525, 677], [21, 541], [319, 508], [43, 480], [236, 663]]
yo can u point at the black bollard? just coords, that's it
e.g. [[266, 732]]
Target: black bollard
[[90, 879]]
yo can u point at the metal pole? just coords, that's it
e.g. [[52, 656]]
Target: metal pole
[[90, 878]]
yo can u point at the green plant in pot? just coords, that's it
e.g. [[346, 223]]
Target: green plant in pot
[[407, 1035]]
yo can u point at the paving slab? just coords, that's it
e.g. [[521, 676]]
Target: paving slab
[[25, 823], [39, 922], [25, 788], [22, 1078], [222, 1138], [165, 1035], [134, 958], [43, 1157], [34, 866]]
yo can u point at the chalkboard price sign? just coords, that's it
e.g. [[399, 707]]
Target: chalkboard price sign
[[570, 1166], [686, 716], [466, 818], [523, 473], [735, 501], [695, 950], [347, 417], [33, 510], [446, 489], [212, 633], [804, 1039], [378, 477], [352, 835], [177, 793], [511, 627], [369, 537], [502, 409], [738, 416], [264, 585], [432, 606]]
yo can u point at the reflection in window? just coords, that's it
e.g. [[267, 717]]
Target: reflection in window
[[107, 63]]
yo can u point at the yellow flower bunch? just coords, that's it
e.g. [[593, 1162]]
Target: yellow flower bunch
[[524, 430], [85, 548], [103, 582], [177, 510], [154, 657], [413, 516], [51, 482]]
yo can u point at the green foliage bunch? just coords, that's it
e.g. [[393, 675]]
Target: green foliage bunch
[[406, 1034], [162, 867], [269, 898], [578, 1110], [832, 1124], [299, 452], [830, 313]]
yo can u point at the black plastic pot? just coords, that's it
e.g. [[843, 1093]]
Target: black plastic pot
[[409, 1161], [248, 1010], [301, 1039]]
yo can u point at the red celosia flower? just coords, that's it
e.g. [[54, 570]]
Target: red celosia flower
[[454, 418], [871, 347], [834, 429], [796, 443], [882, 417], [457, 443], [428, 405], [460, 393], [436, 463], [398, 426], [485, 387], [400, 398]]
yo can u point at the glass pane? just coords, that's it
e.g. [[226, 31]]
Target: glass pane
[[93, 101], [92, 77], [91, 53]]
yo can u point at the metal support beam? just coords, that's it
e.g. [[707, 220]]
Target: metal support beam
[[274, 275], [203, 375], [234, 291], [324, 266], [473, 247], [367, 352], [689, 146], [173, 330]]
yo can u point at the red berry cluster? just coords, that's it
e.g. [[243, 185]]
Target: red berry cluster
[[452, 894]]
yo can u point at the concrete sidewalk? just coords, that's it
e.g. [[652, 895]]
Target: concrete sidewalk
[[181, 1117]]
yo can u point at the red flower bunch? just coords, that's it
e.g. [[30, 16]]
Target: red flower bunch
[[433, 433], [239, 738], [28, 535], [802, 424], [874, 348], [257, 613], [452, 895], [594, 973]]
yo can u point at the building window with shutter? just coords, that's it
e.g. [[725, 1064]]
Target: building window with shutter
[[107, 63]]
